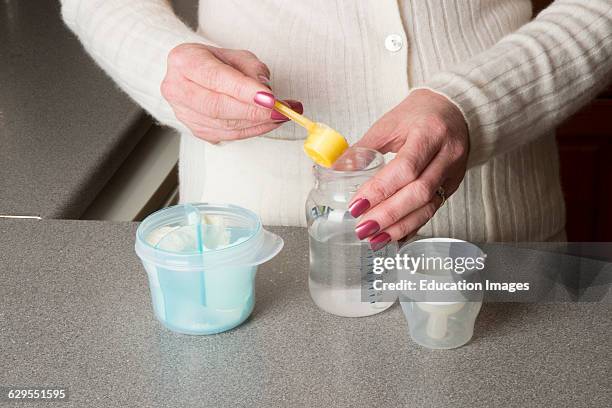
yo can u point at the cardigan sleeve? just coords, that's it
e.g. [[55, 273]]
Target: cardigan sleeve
[[130, 40], [532, 79]]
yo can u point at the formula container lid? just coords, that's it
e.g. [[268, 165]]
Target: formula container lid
[[218, 235]]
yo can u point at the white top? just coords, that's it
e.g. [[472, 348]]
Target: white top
[[349, 62]]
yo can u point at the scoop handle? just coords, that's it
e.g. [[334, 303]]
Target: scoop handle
[[294, 116]]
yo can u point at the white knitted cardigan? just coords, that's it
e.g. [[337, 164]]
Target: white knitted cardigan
[[514, 80]]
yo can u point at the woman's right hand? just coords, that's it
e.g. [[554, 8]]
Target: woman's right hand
[[211, 91]]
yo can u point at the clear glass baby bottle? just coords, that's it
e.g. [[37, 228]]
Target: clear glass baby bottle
[[341, 277]]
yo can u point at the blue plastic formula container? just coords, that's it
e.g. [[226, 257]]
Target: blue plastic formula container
[[201, 261]]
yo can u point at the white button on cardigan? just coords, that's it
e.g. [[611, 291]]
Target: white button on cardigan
[[394, 42]]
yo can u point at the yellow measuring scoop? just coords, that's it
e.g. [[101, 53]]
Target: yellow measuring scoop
[[323, 145]]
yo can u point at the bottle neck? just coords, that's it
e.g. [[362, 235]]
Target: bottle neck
[[350, 171], [349, 182]]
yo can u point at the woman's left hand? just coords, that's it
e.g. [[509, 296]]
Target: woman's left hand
[[430, 137]]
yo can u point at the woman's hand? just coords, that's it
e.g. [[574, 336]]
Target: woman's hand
[[430, 137], [211, 91]]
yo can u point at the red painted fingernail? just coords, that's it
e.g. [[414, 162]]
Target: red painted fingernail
[[366, 228], [379, 241], [358, 207], [265, 99], [295, 105]]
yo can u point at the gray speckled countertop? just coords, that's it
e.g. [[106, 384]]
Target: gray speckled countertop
[[64, 126], [75, 312]]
